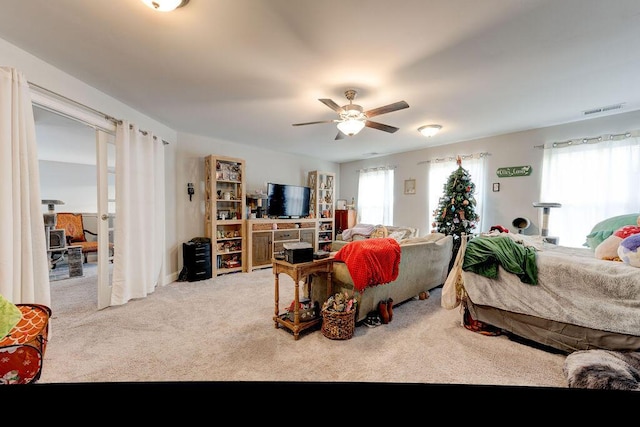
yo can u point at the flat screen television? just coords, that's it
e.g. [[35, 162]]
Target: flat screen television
[[287, 201]]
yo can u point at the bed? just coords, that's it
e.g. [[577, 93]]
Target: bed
[[578, 302]]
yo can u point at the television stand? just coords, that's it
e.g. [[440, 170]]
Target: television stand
[[266, 238]]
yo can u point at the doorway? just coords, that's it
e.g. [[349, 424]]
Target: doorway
[[77, 168]]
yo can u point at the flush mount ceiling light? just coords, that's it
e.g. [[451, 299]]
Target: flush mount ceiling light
[[429, 130], [165, 5]]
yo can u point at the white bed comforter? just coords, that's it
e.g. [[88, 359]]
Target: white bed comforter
[[573, 287]]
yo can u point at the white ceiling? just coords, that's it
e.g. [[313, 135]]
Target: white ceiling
[[246, 70]]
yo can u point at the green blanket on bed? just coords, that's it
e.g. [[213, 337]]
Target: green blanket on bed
[[484, 254]]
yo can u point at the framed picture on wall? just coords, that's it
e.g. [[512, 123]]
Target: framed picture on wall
[[409, 186]]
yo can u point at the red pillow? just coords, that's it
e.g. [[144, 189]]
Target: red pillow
[[626, 231]]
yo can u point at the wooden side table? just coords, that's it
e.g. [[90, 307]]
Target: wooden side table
[[299, 272]]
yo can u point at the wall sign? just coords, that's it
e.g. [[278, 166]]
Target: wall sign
[[513, 171]]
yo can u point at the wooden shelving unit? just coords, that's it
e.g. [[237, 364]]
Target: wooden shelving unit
[[322, 207], [225, 206]]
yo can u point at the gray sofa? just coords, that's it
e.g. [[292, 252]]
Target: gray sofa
[[424, 264]]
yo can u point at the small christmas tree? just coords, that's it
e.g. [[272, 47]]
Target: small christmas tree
[[456, 213]]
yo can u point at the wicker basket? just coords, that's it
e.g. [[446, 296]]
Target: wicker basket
[[338, 325]]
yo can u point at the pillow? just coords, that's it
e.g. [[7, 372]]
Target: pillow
[[10, 315], [629, 250], [431, 237], [379, 231], [407, 231], [605, 228], [608, 249], [397, 235]]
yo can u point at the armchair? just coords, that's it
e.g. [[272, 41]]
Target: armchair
[[24, 330], [76, 234]]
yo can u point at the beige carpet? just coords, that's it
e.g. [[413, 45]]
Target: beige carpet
[[221, 330]]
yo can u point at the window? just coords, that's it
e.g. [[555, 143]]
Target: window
[[592, 180], [439, 171], [375, 196]]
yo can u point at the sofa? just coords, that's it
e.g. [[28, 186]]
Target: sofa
[[424, 265]]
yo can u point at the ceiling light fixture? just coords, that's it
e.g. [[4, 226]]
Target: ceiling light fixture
[[165, 5], [429, 130], [351, 126]]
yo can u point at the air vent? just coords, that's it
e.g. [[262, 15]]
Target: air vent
[[602, 109]]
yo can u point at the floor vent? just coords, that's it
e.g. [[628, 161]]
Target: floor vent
[[603, 109]]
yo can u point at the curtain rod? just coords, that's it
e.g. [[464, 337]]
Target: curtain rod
[[453, 158], [374, 168], [590, 140], [86, 107]]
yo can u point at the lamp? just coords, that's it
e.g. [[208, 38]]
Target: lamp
[[429, 130], [165, 5], [351, 126]]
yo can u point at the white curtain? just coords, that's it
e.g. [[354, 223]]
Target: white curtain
[[24, 269], [139, 236], [441, 169], [592, 181], [375, 196]]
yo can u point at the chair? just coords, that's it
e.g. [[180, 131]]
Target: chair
[[22, 349], [76, 233]]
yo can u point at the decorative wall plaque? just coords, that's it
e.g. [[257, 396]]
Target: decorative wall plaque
[[510, 171]]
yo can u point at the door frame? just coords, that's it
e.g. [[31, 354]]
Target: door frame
[[105, 130]]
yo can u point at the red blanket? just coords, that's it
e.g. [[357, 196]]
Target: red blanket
[[371, 261]]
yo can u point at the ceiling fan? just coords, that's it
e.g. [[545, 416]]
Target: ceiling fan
[[353, 118]]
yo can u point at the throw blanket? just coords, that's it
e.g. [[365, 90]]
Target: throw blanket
[[603, 369], [371, 261], [360, 229], [573, 287], [484, 254]]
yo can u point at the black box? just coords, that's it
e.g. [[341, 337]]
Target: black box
[[298, 252], [197, 260]]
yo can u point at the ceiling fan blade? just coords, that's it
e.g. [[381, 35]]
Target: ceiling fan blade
[[386, 109], [329, 103], [380, 126], [313, 123], [340, 135]]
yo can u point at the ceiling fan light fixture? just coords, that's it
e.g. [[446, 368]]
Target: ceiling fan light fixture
[[165, 5], [429, 130], [351, 127]]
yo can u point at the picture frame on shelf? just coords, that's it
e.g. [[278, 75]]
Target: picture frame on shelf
[[223, 214], [409, 186]]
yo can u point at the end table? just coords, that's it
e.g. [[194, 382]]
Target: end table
[[299, 272]]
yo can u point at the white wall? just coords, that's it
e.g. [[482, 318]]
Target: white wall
[[74, 184], [184, 158], [184, 161], [261, 166], [516, 194], [53, 79]]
